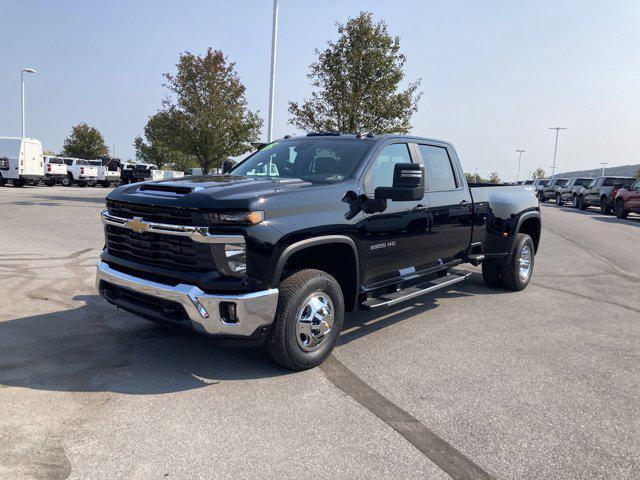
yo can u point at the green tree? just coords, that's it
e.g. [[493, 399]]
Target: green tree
[[638, 173], [538, 173], [158, 149], [207, 116], [48, 153], [85, 142], [357, 79], [494, 177], [474, 178]]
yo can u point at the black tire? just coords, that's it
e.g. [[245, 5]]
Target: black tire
[[19, 183], [621, 212], [491, 274], [541, 197], [82, 184], [68, 180], [105, 184], [574, 201], [558, 200], [3, 181], [282, 342], [582, 205], [605, 208], [512, 277]]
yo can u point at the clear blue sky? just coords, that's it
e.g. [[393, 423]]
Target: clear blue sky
[[495, 74]]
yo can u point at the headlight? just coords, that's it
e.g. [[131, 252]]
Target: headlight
[[231, 258], [238, 218]]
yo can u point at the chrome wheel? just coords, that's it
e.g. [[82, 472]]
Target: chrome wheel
[[525, 263], [314, 321]]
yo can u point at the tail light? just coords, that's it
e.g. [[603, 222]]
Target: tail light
[[81, 170], [614, 192], [48, 167]]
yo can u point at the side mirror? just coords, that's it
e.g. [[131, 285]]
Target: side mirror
[[408, 184], [227, 165]]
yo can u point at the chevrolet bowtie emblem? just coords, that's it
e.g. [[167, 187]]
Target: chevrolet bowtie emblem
[[137, 225]]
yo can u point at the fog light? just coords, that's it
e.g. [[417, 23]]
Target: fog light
[[228, 312]]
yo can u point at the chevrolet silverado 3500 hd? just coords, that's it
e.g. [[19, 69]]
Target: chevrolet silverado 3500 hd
[[304, 229]]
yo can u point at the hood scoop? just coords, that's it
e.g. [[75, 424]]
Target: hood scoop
[[160, 190]]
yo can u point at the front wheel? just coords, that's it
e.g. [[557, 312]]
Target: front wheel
[[582, 205], [308, 320], [605, 208], [621, 212], [558, 200], [67, 181], [574, 201]]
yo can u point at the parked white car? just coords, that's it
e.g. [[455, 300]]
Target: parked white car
[[20, 161], [165, 174], [107, 174], [80, 172], [55, 170]]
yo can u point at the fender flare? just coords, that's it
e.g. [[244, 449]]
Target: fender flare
[[312, 242], [521, 220]]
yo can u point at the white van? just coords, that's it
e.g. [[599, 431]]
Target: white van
[[54, 170], [20, 161]]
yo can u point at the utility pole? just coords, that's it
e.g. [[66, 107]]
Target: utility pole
[[555, 149], [22, 72], [603, 164], [520, 152], [274, 39]]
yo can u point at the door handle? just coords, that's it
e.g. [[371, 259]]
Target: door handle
[[464, 203], [420, 208]]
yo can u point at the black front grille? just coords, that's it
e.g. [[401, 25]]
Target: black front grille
[[157, 249], [154, 213]]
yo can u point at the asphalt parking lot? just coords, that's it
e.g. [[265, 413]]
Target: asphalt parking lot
[[469, 383]]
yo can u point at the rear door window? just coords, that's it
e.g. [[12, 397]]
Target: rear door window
[[438, 169]]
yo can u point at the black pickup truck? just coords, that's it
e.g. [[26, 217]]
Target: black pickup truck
[[304, 229]]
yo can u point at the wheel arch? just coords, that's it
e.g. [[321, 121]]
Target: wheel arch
[[531, 224], [334, 254]]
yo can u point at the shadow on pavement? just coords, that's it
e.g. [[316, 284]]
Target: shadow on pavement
[[98, 348]]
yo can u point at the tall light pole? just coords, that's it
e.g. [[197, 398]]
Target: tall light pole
[[555, 149], [274, 41], [520, 152], [603, 164], [22, 72]]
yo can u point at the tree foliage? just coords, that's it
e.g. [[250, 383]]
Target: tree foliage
[[357, 78], [206, 117], [158, 147], [48, 153], [494, 177], [85, 142], [538, 173], [638, 173], [474, 178]]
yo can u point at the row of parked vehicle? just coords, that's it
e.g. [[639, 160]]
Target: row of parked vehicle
[[22, 163], [619, 195]]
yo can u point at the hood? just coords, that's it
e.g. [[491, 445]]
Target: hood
[[209, 191]]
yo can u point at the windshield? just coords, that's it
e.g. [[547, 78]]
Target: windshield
[[57, 161], [544, 183], [313, 160], [583, 181]]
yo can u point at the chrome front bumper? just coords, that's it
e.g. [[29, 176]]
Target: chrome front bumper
[[254, 310]]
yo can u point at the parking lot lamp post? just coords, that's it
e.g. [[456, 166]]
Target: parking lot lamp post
[[274, 38], [520, 152], [603, 164], [555, 149], [22, 72]]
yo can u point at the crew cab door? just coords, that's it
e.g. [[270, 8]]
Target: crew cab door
[[450, 205], [394, 240], [592, 195]]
